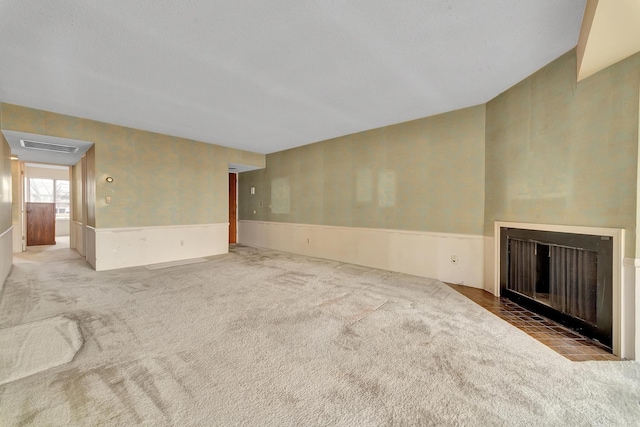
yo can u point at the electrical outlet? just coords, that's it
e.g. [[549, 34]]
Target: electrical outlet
[[454, 259], [181, 242]]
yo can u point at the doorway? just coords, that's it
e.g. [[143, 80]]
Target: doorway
[[233, 208], [47, 204]]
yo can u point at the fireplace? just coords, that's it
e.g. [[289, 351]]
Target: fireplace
[[567, 277]]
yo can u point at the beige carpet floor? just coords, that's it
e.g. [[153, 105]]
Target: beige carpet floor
[[259, 337], [34, 347]]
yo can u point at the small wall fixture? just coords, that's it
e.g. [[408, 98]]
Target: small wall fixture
[[253, 190], [109, 179]]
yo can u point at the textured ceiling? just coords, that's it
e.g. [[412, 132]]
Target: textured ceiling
[[270, 75]]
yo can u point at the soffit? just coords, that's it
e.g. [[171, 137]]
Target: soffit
[[610, 33]]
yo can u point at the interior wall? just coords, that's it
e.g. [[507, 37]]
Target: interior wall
[[556, 152], [16, 209], [90, 163], [159, 182], [76, 193], [408, 198], [565, 153], [419, 253], [423, 175], [76, 227], [6, 235]]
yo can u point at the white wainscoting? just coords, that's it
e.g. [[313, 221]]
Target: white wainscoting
[[413, 252], [630, 309], [78, 241], [490, 265], [62, 227], [6, 255], [135, 246], [90, 246], [16, 238]]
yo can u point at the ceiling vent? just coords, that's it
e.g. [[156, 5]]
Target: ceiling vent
[[47, 146]]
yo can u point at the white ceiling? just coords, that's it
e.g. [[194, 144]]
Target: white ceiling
[[269, 75]]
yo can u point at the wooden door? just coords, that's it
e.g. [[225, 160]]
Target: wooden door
[[233, 208], [41, 224]]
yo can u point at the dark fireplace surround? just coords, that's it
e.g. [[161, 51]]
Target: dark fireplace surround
[[567, 277]]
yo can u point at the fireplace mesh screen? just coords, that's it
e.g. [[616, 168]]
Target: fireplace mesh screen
[[563, 276], [573, 282]]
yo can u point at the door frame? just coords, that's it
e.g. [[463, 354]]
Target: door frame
[[235, 211], [23, 199], [23, 203]]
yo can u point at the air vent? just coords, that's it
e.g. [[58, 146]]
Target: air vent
[[47, 146]]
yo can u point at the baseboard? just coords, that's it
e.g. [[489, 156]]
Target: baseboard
[[137, 246], [6, 257], [413, 252]]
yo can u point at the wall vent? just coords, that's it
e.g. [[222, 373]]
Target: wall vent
[[47, 146]]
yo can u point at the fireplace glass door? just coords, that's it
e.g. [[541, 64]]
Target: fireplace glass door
[[563, 276]]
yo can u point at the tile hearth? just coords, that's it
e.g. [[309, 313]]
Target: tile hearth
[[555, 336]]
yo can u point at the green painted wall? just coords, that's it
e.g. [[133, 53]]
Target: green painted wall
[[15, 191], [5, 185], [561, 152], [158, 179], [425, 175], [6, 255]]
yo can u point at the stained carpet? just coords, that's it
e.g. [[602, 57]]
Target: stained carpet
[[37, 346], [260, 337]]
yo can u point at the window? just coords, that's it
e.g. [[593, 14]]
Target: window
[[51, 191]]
